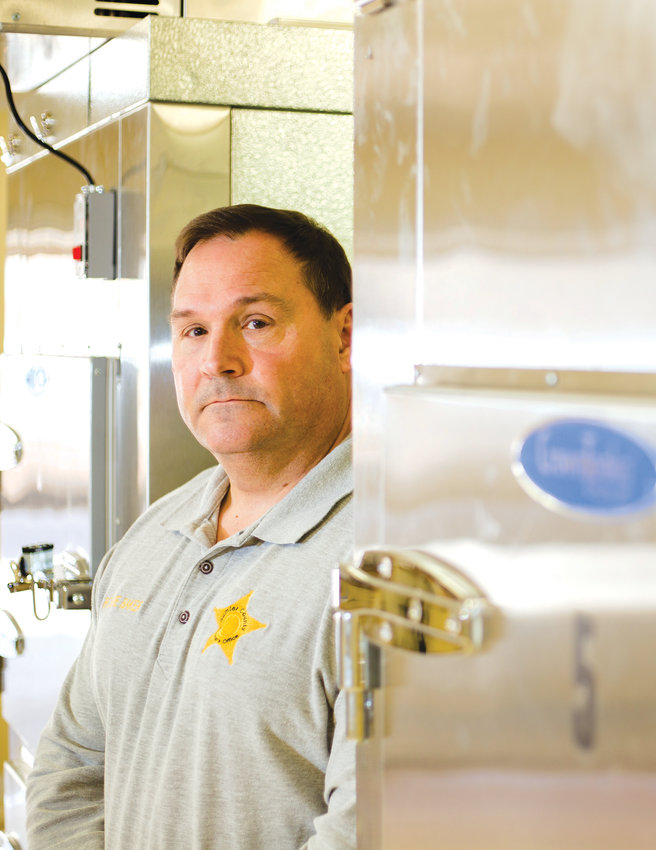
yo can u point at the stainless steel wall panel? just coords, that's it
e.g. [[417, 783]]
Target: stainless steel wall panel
[[132, 288], [47, 309], [31, 59], [539, 207], [298, 160], [47, 497], [64, 100], [385, 242], [118, 76]]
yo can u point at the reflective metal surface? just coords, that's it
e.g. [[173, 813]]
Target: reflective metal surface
[[404, 599], [61, 483], [539, 194], [505, 211], [386, 207], [186, 61]]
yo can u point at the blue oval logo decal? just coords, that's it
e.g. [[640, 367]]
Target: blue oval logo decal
[[586, 466]]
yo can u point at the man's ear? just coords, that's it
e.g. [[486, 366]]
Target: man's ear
[[344, 322]]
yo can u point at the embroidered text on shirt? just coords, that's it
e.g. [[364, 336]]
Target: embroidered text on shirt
[[124, 602]]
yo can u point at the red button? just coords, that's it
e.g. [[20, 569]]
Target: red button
[[77, 252]]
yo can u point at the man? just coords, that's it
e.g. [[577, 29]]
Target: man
[[203, 710]]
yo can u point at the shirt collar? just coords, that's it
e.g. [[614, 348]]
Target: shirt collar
[[288, 521], [315, 495]]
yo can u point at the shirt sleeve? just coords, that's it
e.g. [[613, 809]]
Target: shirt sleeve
[[65, 789], [336, 828]]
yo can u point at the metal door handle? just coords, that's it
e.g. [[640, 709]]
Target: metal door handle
[[405, 599]]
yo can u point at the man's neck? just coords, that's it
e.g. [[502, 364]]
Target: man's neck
[[256, 485]]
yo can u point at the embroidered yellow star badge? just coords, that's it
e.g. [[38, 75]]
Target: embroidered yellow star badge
[[233, 622]]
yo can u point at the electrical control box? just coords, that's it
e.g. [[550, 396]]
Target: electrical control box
[[94, 250]]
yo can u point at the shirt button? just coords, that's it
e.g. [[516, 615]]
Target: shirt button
[[184, 617], [206, 567]]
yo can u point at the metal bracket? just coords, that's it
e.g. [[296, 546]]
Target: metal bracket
[[406, 599]]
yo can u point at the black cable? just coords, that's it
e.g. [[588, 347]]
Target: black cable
[[35, 138]]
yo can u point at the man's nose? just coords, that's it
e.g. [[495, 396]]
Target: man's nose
[[223, 354]]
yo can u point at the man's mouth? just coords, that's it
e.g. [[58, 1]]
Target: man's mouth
[[221, 401]]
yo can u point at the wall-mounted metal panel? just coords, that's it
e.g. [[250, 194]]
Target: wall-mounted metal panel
[[60, 492], [47, 308], [386, 205], [540, 200]]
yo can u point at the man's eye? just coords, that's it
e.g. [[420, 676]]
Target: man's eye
[[196, 331], [256, 324]]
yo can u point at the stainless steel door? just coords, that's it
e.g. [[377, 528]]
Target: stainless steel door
[[505, 207]]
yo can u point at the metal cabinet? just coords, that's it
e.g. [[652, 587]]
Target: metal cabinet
[[505, 436]]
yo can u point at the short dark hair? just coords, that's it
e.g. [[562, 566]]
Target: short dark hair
[[324, 264]]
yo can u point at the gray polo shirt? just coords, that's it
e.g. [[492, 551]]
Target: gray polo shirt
[[203, 710]]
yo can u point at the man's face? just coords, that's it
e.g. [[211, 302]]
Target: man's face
[[258, 368]]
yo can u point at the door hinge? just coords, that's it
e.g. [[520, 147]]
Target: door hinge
[[405, 599]]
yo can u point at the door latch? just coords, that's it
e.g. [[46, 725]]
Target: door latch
[[405, 599]]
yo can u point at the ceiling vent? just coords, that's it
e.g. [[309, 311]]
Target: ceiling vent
[[127, 9], [81, 17]]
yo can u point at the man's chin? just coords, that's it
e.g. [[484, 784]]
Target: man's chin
[[241, 442]]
